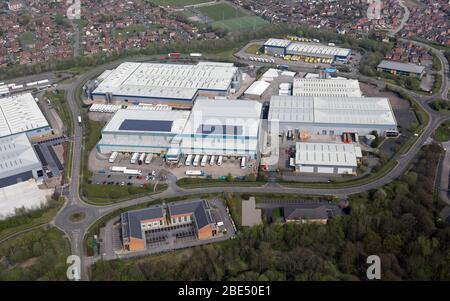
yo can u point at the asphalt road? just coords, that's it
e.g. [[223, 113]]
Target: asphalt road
[[77, 230]]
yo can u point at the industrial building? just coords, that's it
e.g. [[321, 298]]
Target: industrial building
[[139, 226], [326, 87], [176, 85], [21, 114], [256, 90], [142, 130], [18, 161], [327, 158], [223, 127], [332, 115], [282, 48], [398, 68]]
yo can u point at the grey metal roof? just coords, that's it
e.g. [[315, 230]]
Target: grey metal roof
[[146, 125], [134, 218], [405, 67], [306, 211], [198, 208]]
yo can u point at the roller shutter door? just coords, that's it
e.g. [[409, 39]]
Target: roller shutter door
[[306, 169], [325, 169]]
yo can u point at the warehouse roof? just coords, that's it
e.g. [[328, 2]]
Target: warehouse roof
[[277, 43], [332, 110], [326, 87], [317, 49], [405, 67], [257, 88], [126, 120], [167, 80], [236, 117], [17, 155], [327, 154], [20, 113]]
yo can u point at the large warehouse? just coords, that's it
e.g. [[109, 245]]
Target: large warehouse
[[326, 87], [18, 161], [223, 127], [281, 47], [333, 115], [176, 85], [20, 114], [328, 158], [149, 131]]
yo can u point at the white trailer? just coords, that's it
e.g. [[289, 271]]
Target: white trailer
[[204, 160], [141, 158], [113, 157], [79, 120], [134, 158], [219, 161], [213, 160], [196, 160], [196, 54], [195, 173], [149, 158], [243, 162], [188, 160], [118, 168], [133, 172]]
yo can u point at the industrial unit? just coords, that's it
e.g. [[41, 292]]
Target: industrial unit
[[176, 85], [149, 131], [326, 87], [18, 161], [282, 48], [20, 114], [332, 115], [137, 225], [327, 158], [256, 90], [399, 68], [223, 127]]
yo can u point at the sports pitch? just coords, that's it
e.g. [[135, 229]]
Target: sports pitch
[[243, 23], [222, 11], [178, 3]]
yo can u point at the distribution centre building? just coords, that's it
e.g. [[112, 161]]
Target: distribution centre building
[[399, 68], [282, 47], [332, 115], [327, 158], [176, 85], [326, 87], [18, 161], [223, 127], [149, 131], [20, 114]]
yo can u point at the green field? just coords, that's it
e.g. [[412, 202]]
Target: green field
[[222, 11], [242, 23], [177, 3]]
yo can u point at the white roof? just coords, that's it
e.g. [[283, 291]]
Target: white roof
[[177, 117], [277, 43], [316, 49], [20, 113], [257, 88], [326, 87], [24, 194], [406, 67], [332, 110], [327, 154], [241, 113], [17, 155], [167, 80]]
